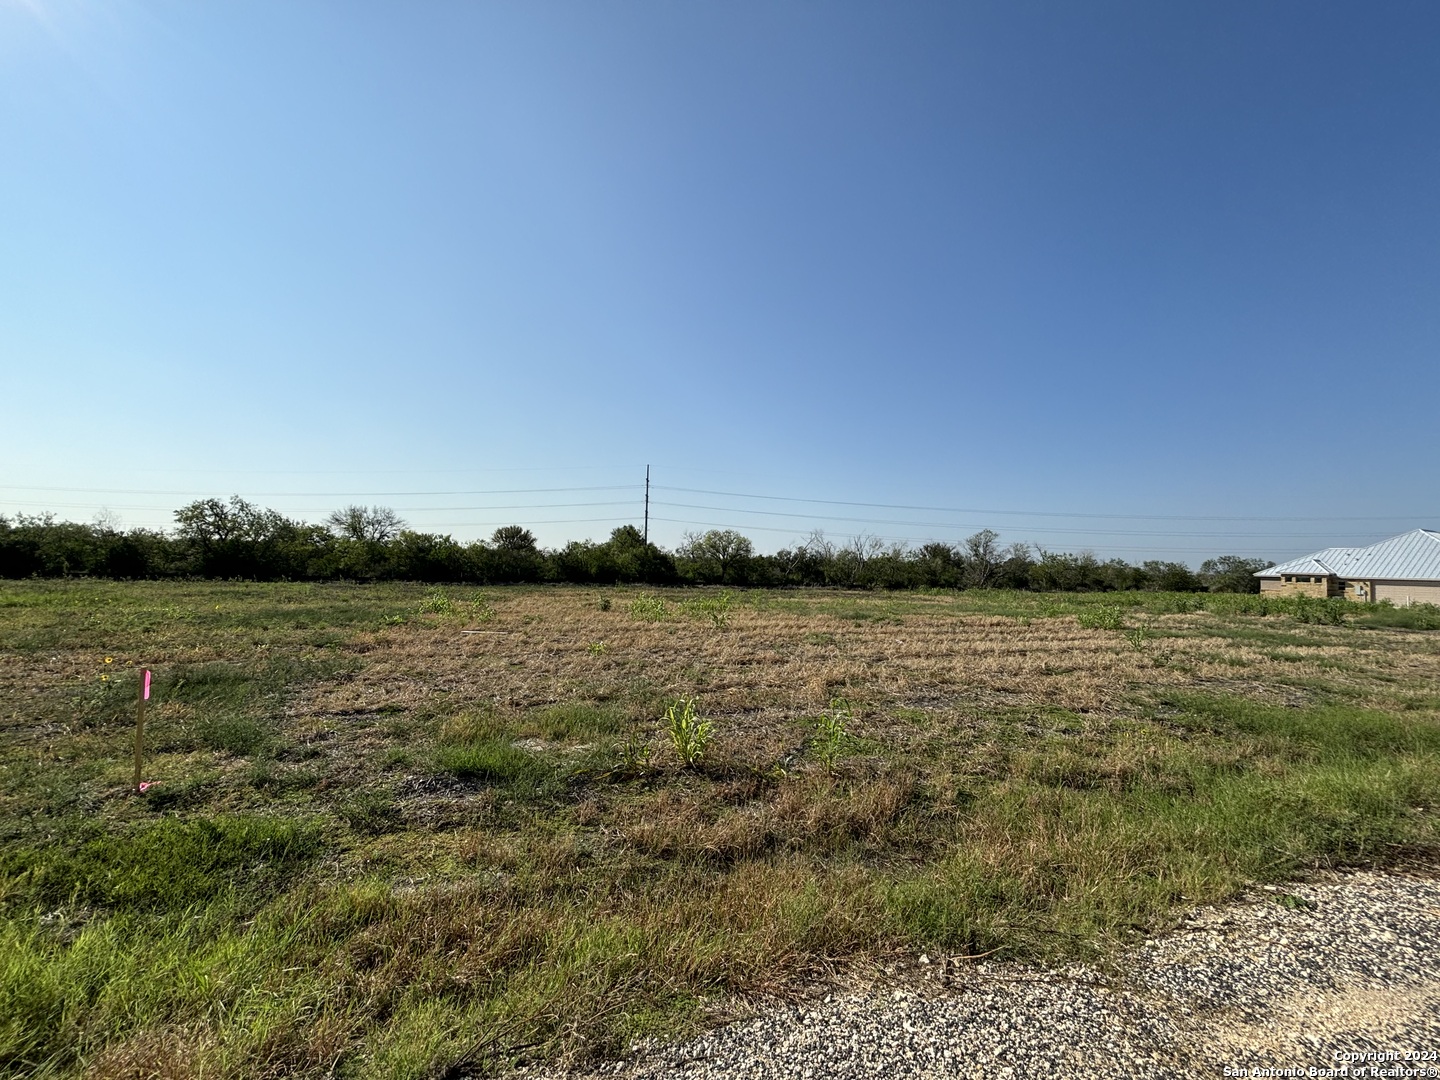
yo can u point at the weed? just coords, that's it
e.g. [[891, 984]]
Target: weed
[[1102, 617], [633, 755], [648, 608], [436, 602], [1184, 603], [832, 737], [689, 735], [1135, 637], [715, 608], [598, 648], [604, 603], [1331, 611], [481, 610]]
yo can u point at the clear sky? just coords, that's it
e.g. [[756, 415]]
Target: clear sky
[[1152, 279]]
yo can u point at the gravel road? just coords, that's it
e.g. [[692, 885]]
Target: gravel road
[[1291, 978]]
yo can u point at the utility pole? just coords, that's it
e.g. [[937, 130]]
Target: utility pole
[[647, 504]]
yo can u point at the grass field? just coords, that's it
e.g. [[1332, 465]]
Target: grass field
[[379, 846]]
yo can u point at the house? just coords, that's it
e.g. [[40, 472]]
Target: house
[[1404, 570]]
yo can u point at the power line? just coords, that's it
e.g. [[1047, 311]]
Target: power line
[[324, 494], [920, 539], [1023, 513], [706, 491], [326, 509], [961, 525]]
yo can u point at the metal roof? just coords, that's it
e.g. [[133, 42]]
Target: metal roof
[[1328, 561], [1411, 556]]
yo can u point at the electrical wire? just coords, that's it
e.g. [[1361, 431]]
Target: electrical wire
[[961, 525], [1026, 513], [921, 539]]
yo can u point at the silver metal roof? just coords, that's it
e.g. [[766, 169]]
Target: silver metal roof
[[1412, 556], [1328, 561]]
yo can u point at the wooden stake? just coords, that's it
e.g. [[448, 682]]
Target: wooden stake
[[140, 725]]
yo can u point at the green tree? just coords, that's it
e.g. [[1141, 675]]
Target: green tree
[[1233, 574], [719, 555], [368, 524], [513, 538]]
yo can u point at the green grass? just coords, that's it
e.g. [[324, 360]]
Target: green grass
[[497, 762], [164, 865], [1414, 617], [358, 866]]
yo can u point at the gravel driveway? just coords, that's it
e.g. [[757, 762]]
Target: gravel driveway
[[1338, 976]]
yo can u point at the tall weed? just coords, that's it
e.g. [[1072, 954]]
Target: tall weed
[[690, 735]]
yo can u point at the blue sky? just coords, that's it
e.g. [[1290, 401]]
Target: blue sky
[[1154, 280]]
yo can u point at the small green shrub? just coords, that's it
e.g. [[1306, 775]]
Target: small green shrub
[[689, 734], [604, 603]]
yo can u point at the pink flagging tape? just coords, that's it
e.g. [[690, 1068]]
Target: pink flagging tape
[[146, 694]]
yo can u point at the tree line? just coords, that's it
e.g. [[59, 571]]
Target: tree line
[[234, 539]]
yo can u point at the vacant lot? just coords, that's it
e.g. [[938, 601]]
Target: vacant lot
[[381, 845]]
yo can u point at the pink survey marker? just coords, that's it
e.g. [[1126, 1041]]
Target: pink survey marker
[[145, 694]]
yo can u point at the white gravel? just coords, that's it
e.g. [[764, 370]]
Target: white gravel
[[1291, 978]]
